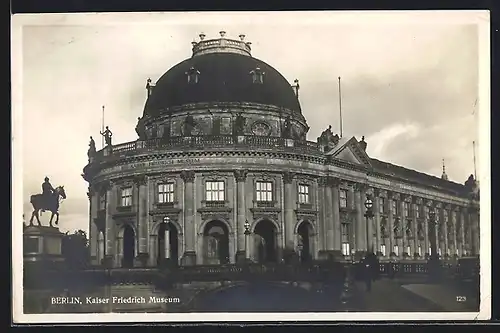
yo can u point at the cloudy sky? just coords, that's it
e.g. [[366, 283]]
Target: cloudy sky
[[409, 83]]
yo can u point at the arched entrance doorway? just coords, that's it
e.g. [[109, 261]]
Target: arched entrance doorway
[[265, 242], [128, 247], [216, 243], [173, 244], [304, 233]]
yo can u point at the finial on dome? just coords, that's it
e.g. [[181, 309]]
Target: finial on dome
[[202, 36], [194, 43], [242, 37], [222, 33], [444, 175], [296, 87], [248, 43]]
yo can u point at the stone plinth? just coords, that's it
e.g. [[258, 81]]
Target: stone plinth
[[42, 245]]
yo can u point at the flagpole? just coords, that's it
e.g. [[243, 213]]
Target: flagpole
[[340, 108], [474, 152], [102, 128]]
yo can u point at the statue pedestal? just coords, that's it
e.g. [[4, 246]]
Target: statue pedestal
[[42, 245]]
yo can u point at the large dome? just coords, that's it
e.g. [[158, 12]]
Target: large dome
[[223, 77]]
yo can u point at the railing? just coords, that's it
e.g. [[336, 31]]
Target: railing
[[211, 141]]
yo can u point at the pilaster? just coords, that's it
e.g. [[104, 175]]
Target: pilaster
[[189, 257]]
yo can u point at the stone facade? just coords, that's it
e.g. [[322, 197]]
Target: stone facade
[[208, 180]]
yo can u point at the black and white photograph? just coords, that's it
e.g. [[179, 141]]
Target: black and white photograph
[[251, 166]]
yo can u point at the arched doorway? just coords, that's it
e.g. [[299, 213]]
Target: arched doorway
[[173, 244], [128, 247], [304, 233], [216, 243], [265, 242]]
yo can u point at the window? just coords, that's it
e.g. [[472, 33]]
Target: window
[[426, 212], [257, 75], [381, 206], [420, 251], [419, 211], [264, 191], [102, 201], [382, 249], [394, 207], [408, 250], [166, 193], [439, 251], [445, 216], [456, 251], [395, 249], [214, 190], [406, 209], [345, 239], [192, 76], [343, 198], [126, 197], [304, 194]]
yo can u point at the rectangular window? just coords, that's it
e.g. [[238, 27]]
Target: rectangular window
[[382, 249], [264, 191], [343, 198], [430, 251], [304, 194], [419, 211], [439, 251], [166, 193], [406, 208], [126, 197], [214, 191], [456, 251], [381, 206], [420, 251], [395, 249], [408, 250], [445, 216], [394, 207], [102, 201], [345, 249]]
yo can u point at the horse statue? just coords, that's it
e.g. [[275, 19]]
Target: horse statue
[[51, 203]]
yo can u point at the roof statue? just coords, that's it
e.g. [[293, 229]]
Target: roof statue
[[49, 200], [92, 150], [327, 140], [140, 129], [107, 136]]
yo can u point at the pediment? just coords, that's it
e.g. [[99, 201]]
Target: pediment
[[350, 151]]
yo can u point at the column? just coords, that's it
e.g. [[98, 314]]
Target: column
[[454, 213], [462, 231], [474, 222], [392, 241], [93, 231], [166, 242], [322, 203], [240, 176], [289, 195], [414, 227], [142, 184], [189, 257], [426, 227], [337, 233], [109, 231], [359, 196], [376, 217], [446, 222], [329, 215], [404, 221]]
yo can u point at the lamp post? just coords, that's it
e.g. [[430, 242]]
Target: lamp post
[[368, 216], [433, 262], [166, 221], [247, 242]]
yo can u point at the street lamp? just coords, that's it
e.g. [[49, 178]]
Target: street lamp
[[247, 243], [166, 221], [368, 216]]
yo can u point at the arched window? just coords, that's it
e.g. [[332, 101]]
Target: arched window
[[192, 75], [257, 75]]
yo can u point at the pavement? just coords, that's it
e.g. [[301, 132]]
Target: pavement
[[400, 296]]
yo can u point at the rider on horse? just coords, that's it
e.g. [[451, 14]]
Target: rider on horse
[[47, 191]]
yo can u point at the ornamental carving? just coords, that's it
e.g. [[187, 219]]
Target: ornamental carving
[[261, 129], [188, 176], [360, 187], [140, 180], [332, 181], [322, 181], [240, 175], [418, 201], [396, 228], [383, 228], [288, 177], [420, 230], [345, 217], [408, 231]]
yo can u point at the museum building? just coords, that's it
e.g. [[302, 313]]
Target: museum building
[[222, 172]]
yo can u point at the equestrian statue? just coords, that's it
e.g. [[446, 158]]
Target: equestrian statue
[[49, 199]]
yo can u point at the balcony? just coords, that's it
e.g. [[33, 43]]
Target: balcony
[[210, 141]]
